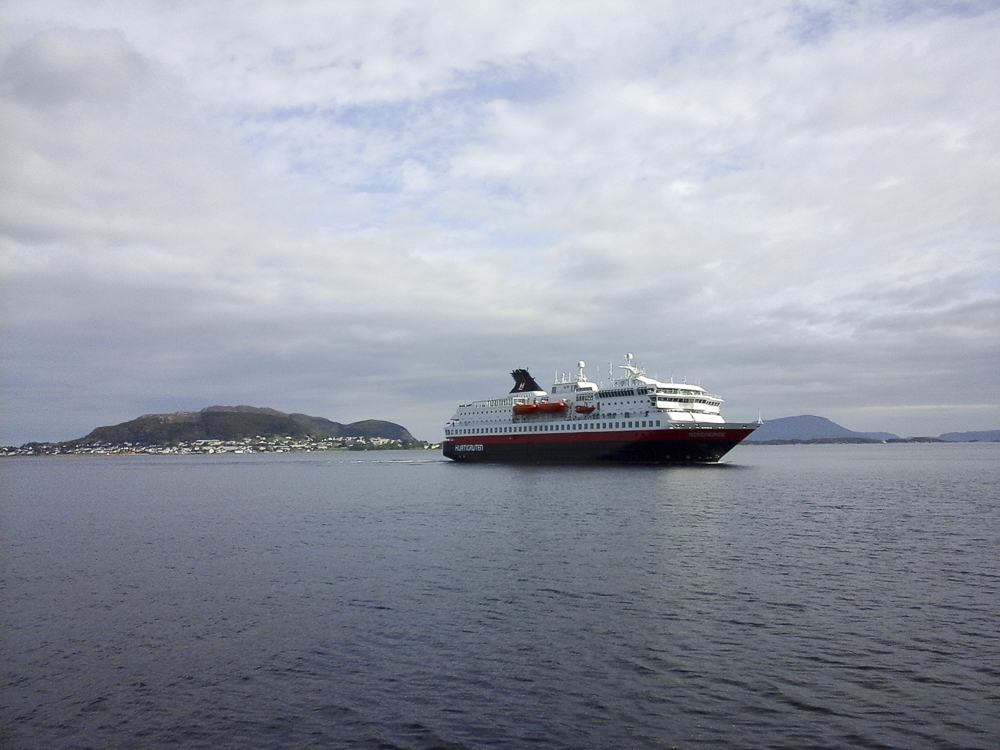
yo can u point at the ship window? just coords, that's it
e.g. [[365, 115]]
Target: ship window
[[657, 422]]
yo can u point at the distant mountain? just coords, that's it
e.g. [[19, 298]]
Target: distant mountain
[[987, 436], [234, 423], [808, 427]]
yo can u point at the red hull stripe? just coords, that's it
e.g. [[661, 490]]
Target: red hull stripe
[[623, 436]]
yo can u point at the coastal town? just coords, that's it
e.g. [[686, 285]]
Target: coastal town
[[259, 444]]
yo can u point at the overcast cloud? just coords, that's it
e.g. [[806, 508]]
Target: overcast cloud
[[378, 209]]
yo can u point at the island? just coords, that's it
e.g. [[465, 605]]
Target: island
[[229, 429], [808, 429]]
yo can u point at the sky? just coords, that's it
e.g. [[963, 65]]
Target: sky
[[376, 210]]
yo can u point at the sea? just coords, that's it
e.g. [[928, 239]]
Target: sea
[[806, 596]]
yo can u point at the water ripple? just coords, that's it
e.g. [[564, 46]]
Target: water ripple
[[801, 599]]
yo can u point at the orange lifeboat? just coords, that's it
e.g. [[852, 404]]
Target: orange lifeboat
[[585, 409], [525, 408], [550, 406]]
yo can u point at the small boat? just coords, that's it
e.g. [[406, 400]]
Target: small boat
[[525, 408], [581, 409], [552, 406]]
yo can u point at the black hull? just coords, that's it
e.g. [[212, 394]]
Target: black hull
[[638, 447]]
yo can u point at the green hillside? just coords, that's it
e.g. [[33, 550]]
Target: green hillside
[[234, 423]]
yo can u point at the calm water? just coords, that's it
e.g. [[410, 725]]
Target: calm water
[[798, 597]]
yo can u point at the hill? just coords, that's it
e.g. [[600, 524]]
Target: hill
[[234, 423], [986, 436], [808, 427]]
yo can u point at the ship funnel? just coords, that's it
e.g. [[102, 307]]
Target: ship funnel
[[523, 382]]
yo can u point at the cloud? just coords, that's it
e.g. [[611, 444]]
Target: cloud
[[63, 65], [375, 210]]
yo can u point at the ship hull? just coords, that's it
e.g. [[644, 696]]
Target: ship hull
[[662, 446]]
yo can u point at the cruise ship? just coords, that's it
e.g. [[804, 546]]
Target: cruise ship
[[634, 419]]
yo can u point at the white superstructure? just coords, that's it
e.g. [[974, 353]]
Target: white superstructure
[[632, 400]]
